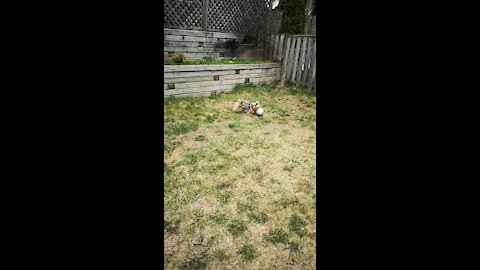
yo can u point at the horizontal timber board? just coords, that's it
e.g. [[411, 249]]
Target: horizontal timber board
[[226, 81], [221, 77], [202, 39], [179, 32], [200, 94], [207, 49], [211, 88], [186, 74], [177, 68], [205, 44]]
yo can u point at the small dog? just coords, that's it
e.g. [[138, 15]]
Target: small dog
[[247, 106]]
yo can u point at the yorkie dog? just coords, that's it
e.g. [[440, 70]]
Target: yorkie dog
[[249, 107]]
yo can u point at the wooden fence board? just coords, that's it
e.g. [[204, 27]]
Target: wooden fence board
[[281, 48], [285, 59], [176, 68], [308, 61], [301, 61], [313, 65], [290, 58], [181, 83], [296, 58]]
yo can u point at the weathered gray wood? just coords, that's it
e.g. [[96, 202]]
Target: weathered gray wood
[[168, 43], [285, 58], [226, 86], [197, 55], [275, 47], [200, 39], [308, 61], [204, 49], [200, 94], [290, 58], [296, 58], [281, 48], [304, 35], [210, 73], [224, 79], [305, 62], [313, 65], [180, 32], [301, 64], [176, 68]]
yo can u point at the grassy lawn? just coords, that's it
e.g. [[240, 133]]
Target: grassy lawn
[[239, 190]]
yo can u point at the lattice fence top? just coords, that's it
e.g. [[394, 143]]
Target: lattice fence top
[[229, 16]]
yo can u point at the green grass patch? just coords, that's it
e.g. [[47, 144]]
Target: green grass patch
[[276, 236], [219, 217], [224, 196], [247, 252], [258, 217], [200, 138], [296, 225], [237, 227]]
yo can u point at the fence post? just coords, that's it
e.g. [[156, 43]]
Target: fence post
[[296, 56], [314, 60]]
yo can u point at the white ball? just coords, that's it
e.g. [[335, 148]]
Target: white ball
[[259, 111]]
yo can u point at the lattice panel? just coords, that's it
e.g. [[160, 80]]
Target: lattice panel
[[228, 16], [185, 14], [238, 16]]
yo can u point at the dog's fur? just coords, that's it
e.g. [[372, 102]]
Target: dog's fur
[[240, 104]]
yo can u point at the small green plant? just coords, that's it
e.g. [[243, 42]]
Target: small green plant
[[221, 256], [237, 227], [296, 225], [200, 138], [258, 217], [276, 236], [224, 196], [209, 119], [219, 218], [248, 252]]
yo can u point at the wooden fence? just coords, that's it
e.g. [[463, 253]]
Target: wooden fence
[[198, 44], [206, 80], [297, 54]]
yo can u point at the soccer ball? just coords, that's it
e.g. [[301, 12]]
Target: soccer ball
[[259, 111]]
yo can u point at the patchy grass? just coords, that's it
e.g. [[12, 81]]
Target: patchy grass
[[247, 252], [239, 190]]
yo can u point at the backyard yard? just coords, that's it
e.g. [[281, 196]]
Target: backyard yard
[[239, 189]]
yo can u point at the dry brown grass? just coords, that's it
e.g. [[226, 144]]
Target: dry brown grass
[[240, 189]]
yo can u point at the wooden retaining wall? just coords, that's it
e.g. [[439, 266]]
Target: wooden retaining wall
[[297, 53], [206, 80], [198, 44]]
